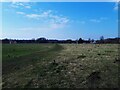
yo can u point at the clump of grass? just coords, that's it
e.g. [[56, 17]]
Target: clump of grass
[[93, 79], [29, 83], [101, 54], [109, 51], [98, 54], [81, 56], [117, 60], [8, 55], [89, 50], [55, 67]]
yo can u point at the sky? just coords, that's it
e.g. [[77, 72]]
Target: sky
[[59, 0], [59, 20]]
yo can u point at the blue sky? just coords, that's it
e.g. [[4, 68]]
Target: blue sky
[[60, 20]]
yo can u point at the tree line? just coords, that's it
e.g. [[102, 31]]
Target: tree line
[[79, 41]]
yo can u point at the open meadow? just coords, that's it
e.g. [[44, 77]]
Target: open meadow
[[60, 65]]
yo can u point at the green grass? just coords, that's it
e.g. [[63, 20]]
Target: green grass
[[61, 66], [17, 50]]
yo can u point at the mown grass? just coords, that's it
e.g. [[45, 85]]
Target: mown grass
[[25, 60], [61, 66]]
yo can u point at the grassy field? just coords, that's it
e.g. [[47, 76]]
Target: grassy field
[[60, 66]]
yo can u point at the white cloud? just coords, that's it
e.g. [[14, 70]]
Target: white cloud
[[95, 20], [22, 13], [14, 0], [44, 14], [55, 26], [98, 20], [59, 19], [49, 16], [78, 21], [103, 18], [20, 5], [50, 20], [33, 16], [28, 7]]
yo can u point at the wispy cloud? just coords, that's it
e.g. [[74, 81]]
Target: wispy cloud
[[59, 0], [14, 0], [27, 7], [44, 14], [79, 21], [20, 5], [33, 16], [103, 18], [22, 13], [95, 20], [98, 20], [49, 18]]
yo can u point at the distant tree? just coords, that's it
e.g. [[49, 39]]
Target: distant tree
[[102, 39], [89, 40], [69, 41], [92, 40], [5, 40], [33, 40], [41, 40], [80, 40]]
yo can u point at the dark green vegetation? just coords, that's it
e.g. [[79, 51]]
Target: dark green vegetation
[[62, 66]]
